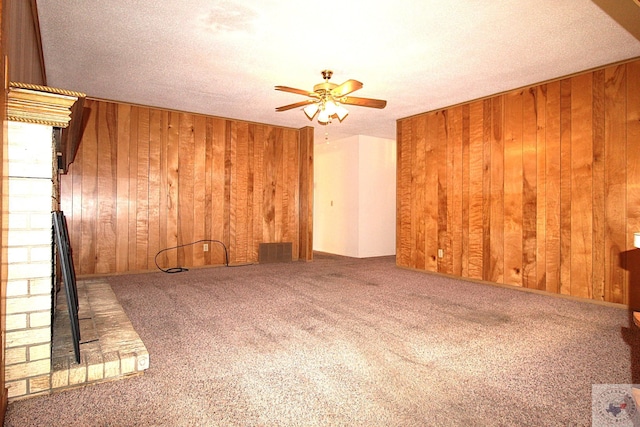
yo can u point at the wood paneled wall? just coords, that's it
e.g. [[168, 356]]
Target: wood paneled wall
[[26, 63], [146, 179], [4, 220], [538, 188]]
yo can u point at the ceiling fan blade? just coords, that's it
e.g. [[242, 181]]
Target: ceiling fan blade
[[296, 105], [298, 91], [346, 88], [364, 102]]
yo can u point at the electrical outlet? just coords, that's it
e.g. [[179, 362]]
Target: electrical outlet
[[440, 253], [206, 247]]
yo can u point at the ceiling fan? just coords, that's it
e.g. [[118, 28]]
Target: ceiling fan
[[327, 99]]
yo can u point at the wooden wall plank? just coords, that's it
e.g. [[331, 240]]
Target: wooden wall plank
[[284, 221], [565, 186], [170, 258], [403, 202], [278, 181], [476, 191], [23, 47], [442, 127], [162, 258], [122, 189], [132, 223], [431, 201], [615, 178], [155, 174], [633, 182], [581, 252], [88, 191], [293, 188], [142, 191], [199, 187], [418, 189], [186, 214], [466, 167], [541, 187], [598, 173], [306, 192], [552, 177], [218, 196], [106, 189], [513, 185], [487, 195], [239, 140], [529, 187], [454, 189], [253, 165], [496, 262]]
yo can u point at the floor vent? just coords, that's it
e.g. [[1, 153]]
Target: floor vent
[[275, 252]]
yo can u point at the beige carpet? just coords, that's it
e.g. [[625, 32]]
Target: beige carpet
[[349, 342]]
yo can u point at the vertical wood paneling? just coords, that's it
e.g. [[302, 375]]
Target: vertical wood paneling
[[186, 214], [495, 272], [218, 219], [454, 190], [155, 178], [23, 45], [240, 140], [538, 187], [431, 201], [293, 200], [513, 179], [88, 191], [581, 186], [163, 202], [565, 186], [417, 194], [598, 171], [306, 192], [541, 186], [199, 187], [158, 179], [529, 187], [106, 189], [172, 190], [142, 191], [122, 187], [444, 263], [466, 167], [132, 222], [487, 197], [552, 179], [403, 214], [476, 190], [615, 178], [633, 181]]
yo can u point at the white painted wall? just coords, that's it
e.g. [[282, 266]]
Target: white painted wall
[[377, 197], [355, 197]]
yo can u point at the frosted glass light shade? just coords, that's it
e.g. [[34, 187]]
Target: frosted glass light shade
[[311, 110], [323, 117], [341, 112], [636, 240]]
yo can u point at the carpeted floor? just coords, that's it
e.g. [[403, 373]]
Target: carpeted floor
[[349, 342]]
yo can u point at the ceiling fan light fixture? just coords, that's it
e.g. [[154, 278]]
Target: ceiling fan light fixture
[[341, 112], [327, 99], [324, 117], [311, 110]]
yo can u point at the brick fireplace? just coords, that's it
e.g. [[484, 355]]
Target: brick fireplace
[[38, 350]]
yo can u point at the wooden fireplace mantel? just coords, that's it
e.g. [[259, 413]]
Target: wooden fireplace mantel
[[49, 106]]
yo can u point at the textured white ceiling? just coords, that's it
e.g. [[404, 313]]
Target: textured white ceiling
[[224, 58]]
